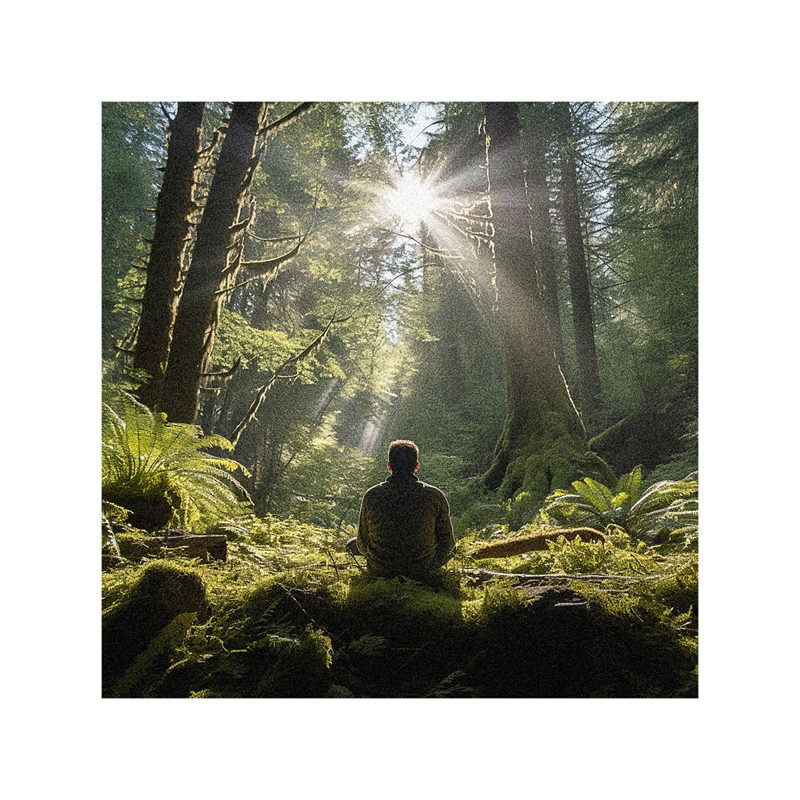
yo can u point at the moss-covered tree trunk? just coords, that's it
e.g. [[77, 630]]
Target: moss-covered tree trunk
[[174, 208], [543, 442], [215, 262]]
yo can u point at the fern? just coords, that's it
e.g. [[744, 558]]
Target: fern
[[665, 506], [144, 456]]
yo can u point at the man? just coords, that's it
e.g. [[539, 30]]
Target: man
[[404, 527]]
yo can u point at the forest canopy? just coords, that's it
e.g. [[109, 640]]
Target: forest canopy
[[502, 283]]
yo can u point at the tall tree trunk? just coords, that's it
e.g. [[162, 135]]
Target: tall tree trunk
[[543, 441], [541, 235], [174, 208], [215, 262], [588, 373]]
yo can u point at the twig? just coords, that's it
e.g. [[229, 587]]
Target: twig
[[330, 555], [485, 573], [289, 592]]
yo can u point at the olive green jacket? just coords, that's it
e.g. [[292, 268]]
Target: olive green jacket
[[404, 527]]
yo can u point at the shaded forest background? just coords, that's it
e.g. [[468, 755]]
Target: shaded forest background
[[336, 325]]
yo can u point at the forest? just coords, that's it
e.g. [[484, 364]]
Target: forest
[[287, 287]]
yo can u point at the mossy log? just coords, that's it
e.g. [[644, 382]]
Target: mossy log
[[205, 547], [535, 541], [210, 547]]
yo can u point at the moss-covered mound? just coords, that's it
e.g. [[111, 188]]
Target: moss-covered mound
[[159, 607]]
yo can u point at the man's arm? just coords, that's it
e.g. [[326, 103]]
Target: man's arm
[[445, 540], [362, 539]]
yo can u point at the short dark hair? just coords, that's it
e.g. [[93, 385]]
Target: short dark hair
[[403, 456]]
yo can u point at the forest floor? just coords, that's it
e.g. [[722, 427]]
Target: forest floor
[[290, 615]]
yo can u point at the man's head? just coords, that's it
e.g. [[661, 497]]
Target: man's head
[[403, 457]]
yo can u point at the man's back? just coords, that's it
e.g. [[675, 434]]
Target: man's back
[[404, 527]]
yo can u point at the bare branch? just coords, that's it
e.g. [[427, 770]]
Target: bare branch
[[287, 119]]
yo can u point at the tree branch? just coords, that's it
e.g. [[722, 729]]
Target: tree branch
[[287, 119]]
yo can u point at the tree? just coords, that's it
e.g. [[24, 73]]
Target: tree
[[588, 372], [217, 257], [215, 262], [171, 236], [543, 443], [652, 244], [535, 144], [132, 150]]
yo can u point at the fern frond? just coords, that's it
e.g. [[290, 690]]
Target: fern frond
[[144, 455], [630, 483], [596, 493]]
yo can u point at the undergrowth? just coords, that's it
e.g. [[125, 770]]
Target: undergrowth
[[292, 614]]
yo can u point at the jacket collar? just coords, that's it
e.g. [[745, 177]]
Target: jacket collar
[[412, 478]]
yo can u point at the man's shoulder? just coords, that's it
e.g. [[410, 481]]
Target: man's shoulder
[[378, 488], [429, 488]]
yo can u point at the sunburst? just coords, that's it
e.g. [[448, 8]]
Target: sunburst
[[410, 198]]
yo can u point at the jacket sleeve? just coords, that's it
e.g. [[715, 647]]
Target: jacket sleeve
[[362, 540], [445, 540]]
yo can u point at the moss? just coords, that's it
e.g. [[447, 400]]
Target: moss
[[275, 665], [136, 545], [544, 466], [151, 511], [648, 437], [162, 592], [400, 609], [548, 648], [326, 632]]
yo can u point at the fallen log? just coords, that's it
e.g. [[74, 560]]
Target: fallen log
[[535, 541], [209, 547]]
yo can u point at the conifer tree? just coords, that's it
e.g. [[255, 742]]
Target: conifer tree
[[170, 238], [543, 443], [215, 262], [588, 388]]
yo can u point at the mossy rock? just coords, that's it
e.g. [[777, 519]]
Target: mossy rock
[[555, 649], [163, 592]]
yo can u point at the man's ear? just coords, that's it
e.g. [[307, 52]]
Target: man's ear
[[390, 467], [416, 467]]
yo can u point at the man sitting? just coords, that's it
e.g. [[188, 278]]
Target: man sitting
[[404, 527]]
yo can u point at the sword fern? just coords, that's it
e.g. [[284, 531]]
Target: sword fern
[[642, 513], [145, 458]]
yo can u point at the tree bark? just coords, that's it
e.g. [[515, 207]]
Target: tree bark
[[543, 433], [541, 236], [588, 373], [215, 263], [174, 208]]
